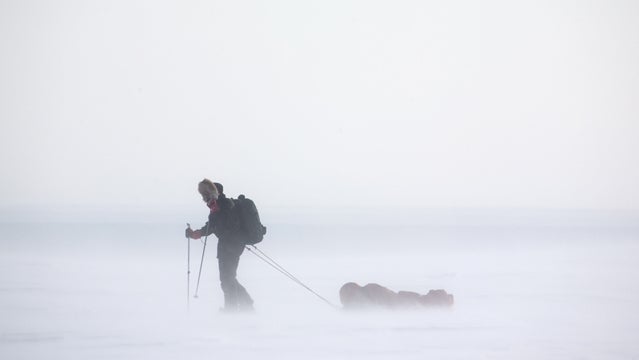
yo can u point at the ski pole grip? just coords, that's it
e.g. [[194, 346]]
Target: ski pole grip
[[188, 226]]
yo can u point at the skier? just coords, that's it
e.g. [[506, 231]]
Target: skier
[[225, 224]]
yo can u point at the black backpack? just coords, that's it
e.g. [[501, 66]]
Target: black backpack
[[252, 229]]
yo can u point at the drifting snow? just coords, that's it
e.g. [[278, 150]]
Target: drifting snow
[[119, 292]]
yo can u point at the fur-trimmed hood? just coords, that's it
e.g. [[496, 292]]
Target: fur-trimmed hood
[[208, 190]]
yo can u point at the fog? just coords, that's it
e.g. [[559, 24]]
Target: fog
[[485, 148], [121, 106]]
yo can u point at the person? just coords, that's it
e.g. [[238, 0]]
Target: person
[[224, 223]]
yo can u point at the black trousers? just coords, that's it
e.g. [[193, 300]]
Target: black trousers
[[235, 295]]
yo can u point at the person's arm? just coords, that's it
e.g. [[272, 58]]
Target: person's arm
[[209, 227], [215, 217], [192, 234], [206, 230]]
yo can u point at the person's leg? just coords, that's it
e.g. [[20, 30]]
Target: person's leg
[[228, 271], [235, 295], [243, 298]]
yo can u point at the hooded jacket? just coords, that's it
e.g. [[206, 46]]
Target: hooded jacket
[[224, 222]]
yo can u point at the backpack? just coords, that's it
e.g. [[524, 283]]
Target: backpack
[[252, 229]]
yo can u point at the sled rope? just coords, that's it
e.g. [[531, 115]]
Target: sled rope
[[267, 259]]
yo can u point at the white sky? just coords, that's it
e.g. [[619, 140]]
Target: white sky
[[115, 104]]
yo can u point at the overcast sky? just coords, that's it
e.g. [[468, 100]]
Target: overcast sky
[[320, 104]]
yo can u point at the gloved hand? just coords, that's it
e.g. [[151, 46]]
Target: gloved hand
[[193, 234]]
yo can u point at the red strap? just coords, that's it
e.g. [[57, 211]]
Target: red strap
[[213, 206]]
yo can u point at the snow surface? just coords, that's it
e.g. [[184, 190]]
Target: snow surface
[[105, 291]]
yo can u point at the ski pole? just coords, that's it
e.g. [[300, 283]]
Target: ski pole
[[197, 288], [188, 269]]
